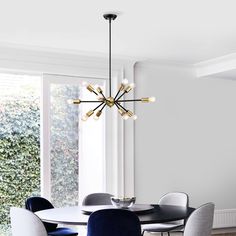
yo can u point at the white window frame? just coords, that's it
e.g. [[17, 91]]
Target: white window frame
[[40, 61], [47, 80]]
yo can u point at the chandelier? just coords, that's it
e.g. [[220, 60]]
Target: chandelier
[[110, 100]]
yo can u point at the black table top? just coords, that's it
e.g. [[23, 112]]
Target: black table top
[[165, 213], [75, 215]]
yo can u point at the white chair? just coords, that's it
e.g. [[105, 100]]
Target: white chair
[[176, 199], [26, 223], [97, 199], [200, 221]]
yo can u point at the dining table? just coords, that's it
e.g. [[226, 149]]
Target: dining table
[[147, 213]]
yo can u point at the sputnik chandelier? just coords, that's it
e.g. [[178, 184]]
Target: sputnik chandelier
[[111, 101]]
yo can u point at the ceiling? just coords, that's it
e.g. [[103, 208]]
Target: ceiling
[[183, 31]]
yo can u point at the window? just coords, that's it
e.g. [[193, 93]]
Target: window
[[117, 151], [19, 142], [74, 151], [64, 160]]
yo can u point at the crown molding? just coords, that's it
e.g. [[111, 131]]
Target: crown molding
[[20, 51], [216, 65], [52, 61], [163, 63]]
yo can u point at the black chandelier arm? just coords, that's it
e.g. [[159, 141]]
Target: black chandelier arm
[[98, 106], [130, 100], [117, 94], [120, 106], [121, 96], [91, 101], [103, 107], [103, 95], [116, 105], [95, 92]]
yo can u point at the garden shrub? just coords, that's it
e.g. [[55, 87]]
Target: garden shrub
[[19, 152]]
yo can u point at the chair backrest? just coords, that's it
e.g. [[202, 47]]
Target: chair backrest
[[97, 199], [200, 221], [175, 199], [26, 223], [37, 204], [113, 222]]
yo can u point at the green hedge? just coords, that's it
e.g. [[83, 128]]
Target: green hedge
[[20, 149], [19, 152]]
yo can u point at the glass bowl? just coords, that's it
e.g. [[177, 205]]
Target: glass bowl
[[123, 202]]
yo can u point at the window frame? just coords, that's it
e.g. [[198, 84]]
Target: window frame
[[33, 60], [47, 80]]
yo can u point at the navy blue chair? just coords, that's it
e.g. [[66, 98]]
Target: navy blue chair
[[39, 203], [113, 222]]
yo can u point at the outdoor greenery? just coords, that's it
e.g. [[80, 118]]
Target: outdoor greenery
[[19, 152], [64, 146], [20, 149]]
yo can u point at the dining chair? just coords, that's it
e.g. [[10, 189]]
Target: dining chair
[[97, 199], [26, 223], [39, 203], [173, 198], [113, 222], [200, 221]]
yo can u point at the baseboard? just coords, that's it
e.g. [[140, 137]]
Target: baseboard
[[223, 231]]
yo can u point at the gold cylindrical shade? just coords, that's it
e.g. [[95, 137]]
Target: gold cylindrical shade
[[89, 113], [90, 88], [76, 101], [145, 99], [99, 89]]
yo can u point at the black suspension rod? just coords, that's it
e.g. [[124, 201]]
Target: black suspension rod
[[110, 56], [110, 17]]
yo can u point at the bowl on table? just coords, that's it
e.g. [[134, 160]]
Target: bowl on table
[[123, 202]]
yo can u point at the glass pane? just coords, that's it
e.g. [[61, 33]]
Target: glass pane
[[77, 148], [64, 145], [19, 142]]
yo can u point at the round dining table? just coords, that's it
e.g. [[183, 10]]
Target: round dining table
[[147, 214]]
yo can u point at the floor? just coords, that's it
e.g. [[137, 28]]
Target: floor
[[234, 234], [177, 234], [83, 232]]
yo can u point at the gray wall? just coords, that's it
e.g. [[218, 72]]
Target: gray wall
[[186, 140]]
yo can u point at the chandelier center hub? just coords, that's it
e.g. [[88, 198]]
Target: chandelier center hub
[[110, 101]]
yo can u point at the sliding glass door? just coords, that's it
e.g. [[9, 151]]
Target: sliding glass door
[[64, 145], [73, 155]]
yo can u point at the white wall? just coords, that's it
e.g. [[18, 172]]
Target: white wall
[[186, 141]]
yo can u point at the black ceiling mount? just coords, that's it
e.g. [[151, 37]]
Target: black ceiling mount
[[110, 16]]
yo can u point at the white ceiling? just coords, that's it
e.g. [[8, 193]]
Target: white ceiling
[[184, 31]]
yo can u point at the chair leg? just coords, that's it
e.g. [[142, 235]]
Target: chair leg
[[168, 233]]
